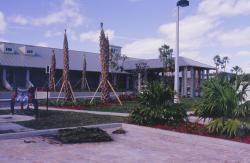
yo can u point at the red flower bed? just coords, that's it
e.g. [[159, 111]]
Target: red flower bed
[[198, 129]]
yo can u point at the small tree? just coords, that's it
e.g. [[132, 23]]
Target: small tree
[[166, 56], [217, 61], [141, 67], [220, 62], [237, 70], [116, 63], [224, 62]]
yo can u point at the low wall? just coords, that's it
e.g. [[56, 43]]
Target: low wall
[[6, 95]]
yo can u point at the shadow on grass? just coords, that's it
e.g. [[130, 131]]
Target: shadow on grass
[[60, 119]]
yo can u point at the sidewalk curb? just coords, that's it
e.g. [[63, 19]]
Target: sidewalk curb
[[53, 131]]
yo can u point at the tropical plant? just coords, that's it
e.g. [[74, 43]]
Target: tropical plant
[[237, 70], [217, 62], [156, 106], [156, 95], [166, 56], [220, 62], [224, 62], [224, 102]]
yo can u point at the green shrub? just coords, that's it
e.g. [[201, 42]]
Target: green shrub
[[82, 135], [224, 102], [175, 113], [155, 95], [146, 116], [156, 106]]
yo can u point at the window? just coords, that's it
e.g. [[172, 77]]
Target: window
[[8, 49], [29, 51]]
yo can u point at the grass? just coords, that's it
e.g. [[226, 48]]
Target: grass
[[60, 119], [188, 102], [3, 112], [127, 107]]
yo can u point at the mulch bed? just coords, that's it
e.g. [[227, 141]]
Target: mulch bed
[[198, 129]]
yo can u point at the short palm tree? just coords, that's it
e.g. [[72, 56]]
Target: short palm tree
[[225, 102]]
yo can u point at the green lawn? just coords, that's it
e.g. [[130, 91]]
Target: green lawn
[[127, 107], [2, 112], [60, 119]]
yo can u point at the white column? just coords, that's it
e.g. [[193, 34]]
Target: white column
[[199, 83], [182, 82], [139, 82], [185, 81], [192, 87], [207, 73]]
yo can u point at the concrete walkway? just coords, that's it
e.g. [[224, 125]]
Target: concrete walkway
[[139, 144], [6, 123], [90, 112]]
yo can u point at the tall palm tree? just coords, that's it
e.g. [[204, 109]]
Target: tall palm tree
[[68, 94], [83, 80], [236, 70], [217, 62], [53, 72], [104, 55], [224, 62]]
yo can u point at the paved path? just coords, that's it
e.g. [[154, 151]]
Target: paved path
[[140, 144], [90, 112], [6, 123]]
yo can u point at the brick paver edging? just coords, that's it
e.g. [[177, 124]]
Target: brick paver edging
[[53, 131]]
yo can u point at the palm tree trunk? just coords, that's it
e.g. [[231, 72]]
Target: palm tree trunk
[[104, 54], [53, 71], [68, 94]]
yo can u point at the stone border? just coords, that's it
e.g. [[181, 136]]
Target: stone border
[[53, 131]]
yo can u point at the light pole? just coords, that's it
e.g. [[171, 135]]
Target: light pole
[[180, 3]]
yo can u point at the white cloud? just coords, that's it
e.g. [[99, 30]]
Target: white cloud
[[144, 48], [222, 8], [243, 53], [68, 12], [43, 44], [70, 32], [49, 34], [93, 36], [193, 31], [197, 31], [3, 23], [235, 38], [19, 20]]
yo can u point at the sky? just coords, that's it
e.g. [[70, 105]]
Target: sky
[[207, 27]]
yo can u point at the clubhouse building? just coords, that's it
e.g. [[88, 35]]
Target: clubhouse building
[[23, 66]]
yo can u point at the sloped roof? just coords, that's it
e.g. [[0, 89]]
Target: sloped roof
[[130, 64], [42, 57]]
